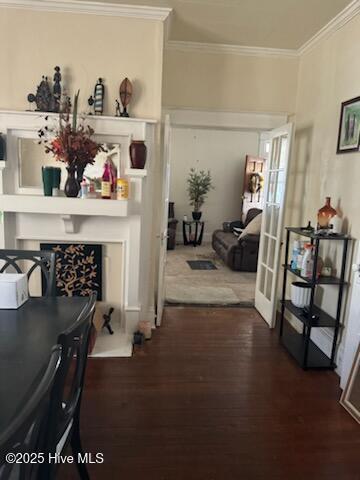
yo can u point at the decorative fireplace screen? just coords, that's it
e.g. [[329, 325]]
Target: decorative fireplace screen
[[78, 268]]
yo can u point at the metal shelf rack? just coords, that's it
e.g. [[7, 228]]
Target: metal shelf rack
[[300, 345]]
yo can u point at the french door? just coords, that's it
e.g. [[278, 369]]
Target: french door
[[272, 222], [163, 223]]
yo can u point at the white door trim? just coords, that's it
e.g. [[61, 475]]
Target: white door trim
[[183, 117]]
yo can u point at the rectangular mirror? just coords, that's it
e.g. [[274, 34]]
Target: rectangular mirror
[[32, 158]]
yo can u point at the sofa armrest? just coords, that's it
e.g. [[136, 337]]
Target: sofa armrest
[[249, 238]]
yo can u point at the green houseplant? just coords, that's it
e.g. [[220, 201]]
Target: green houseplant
[[199, 185]]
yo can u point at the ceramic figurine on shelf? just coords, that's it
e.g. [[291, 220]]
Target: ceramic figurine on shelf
[[117, 109], [99, 94], [125, 92], [43, 99], [91, 103], [57, 89]]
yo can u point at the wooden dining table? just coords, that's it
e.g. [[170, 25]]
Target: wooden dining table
[[26, 338]]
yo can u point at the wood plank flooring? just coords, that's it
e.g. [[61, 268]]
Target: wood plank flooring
[[213, 396]]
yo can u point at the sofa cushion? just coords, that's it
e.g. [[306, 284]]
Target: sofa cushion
[[226, 239], [251, 214], [253, 227]]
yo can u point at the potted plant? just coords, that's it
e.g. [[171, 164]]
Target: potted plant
[[199, 185], [71, 142]]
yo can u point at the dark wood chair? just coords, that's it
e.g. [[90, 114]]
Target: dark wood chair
[[64, 413], [43, 259], [26, 433]]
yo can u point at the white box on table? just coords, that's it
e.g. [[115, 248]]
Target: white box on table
[[13, 290]]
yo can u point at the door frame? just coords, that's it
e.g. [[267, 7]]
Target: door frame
[[188, 118]]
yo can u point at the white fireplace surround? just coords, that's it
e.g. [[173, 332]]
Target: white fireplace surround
[[26, 215]]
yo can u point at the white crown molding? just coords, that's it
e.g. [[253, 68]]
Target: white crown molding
[[89, 7], [335, 24], [164, 14], [347, 14], [230, 49], [187, 117]]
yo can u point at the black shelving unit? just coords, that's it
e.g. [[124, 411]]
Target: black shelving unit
[[300, 345]]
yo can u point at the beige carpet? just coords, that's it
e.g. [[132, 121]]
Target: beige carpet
[[205, 287]]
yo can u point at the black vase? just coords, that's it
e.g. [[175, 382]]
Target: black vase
[[196, 216], [80, 173], [72, 186]]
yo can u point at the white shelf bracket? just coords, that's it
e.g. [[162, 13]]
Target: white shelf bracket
[[70, 223]]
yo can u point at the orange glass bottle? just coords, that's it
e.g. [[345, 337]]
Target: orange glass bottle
[[325, 214]]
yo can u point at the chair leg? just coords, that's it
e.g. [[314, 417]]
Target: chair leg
[[79, 452]]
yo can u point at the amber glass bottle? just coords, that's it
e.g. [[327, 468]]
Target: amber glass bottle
[[325, 214]]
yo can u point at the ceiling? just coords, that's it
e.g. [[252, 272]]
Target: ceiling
[[256, 23]]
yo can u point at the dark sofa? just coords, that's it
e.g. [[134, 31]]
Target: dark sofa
[[238, 254]]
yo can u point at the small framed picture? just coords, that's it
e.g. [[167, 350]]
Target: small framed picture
[[349, 128]]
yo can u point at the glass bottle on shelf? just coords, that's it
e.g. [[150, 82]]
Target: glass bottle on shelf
[[106, 182], [308, 261], [325, 214]]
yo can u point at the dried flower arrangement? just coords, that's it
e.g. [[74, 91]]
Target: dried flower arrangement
[[71, 142]]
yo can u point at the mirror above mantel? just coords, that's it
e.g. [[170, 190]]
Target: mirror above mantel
[[32, 157]]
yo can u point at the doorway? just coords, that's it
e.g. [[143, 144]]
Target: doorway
[[229, 153]]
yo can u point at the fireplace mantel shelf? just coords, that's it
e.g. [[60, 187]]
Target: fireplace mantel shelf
[[67, 206]]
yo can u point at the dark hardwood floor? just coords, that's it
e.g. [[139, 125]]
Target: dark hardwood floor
[[213, 396]]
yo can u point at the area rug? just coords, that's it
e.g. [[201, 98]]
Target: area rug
[[222, 286], [201, 265], [180, 294]]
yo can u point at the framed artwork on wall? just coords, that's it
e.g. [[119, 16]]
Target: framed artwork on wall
[[350, 399], [349, 128]]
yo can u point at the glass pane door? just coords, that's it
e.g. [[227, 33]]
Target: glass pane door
[[272, 223]]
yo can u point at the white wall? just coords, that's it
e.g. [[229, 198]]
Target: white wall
[[221, 151]]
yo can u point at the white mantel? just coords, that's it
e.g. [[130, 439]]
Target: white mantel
[[28, 215]]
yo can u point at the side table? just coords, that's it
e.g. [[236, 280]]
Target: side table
[[193, 231]]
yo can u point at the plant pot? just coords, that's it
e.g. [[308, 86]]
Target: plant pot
[[72, 186], [196, 215], [138, 152]]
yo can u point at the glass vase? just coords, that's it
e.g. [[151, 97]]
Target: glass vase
[[325, 214], [72, 186]]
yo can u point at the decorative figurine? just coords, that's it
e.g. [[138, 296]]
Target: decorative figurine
[[107, 320], [99, 94], [57, 89], [45, 99], [125, 91], [90, 103], [117, 109]]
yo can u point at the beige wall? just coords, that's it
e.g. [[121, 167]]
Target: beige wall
[[85, 47], [222, 152], [229, 82], [328, 75]]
